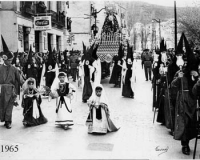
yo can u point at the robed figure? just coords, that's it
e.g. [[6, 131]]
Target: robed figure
[[32, 69], [127, 90], [116, 72], [98, 120], [31, 103], [63, 91], [96, 76], [88, 69], [50, 72], [9, 87], [185, 128]]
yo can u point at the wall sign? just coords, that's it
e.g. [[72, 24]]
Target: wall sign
[[20, 32], [42, 23]]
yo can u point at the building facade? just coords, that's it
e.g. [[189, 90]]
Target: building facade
[[18, 25]]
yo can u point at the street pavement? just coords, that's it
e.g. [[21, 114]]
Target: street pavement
[[137, 138]]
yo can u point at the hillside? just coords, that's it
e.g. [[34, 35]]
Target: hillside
[[143, 12]]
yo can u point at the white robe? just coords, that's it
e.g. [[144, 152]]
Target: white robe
[[97, 76], [64, 115]]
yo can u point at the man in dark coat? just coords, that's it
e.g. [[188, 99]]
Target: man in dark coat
[[147, 60]]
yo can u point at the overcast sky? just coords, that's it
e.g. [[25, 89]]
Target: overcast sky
[[179, 3]]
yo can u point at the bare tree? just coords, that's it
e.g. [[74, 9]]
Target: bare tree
[[189, 22]]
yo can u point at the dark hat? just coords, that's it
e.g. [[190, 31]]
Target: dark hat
[[94, 53], [50, 60], [61, 74], [163, 46], [7, 55], [30, 55], [120, 52], [189, 55], [179, 49], [59, 57], [191, 59], [88, 54], [129, 52]]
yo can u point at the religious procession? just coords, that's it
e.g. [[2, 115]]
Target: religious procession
[[103, 85]]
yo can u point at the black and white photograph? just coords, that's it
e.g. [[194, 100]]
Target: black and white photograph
[[100, 79]]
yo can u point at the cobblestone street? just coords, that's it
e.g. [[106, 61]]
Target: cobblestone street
[[137, 138]]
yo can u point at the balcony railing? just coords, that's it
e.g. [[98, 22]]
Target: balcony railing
[[57, 18], [27, 11]]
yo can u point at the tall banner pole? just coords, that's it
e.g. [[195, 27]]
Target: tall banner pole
[[175, 29]]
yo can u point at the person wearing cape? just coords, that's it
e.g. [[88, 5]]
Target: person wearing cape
[[63, 91], [98, 120], [31, 101]]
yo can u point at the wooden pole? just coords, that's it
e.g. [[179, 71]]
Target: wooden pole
[[175, 29]]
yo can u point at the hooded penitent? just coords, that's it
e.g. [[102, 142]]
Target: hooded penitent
[[94, 53], [120, 52], [7, 55], [30, 56], [88, 71], [50, 66], [126, 76], [32, 67], [84, 48], [116, 71], [163, 46], [50, 60], [188, 55]]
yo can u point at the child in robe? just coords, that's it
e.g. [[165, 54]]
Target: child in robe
[[31, 101], [63, 91]]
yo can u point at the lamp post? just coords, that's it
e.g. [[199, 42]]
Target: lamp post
[[158, 21]]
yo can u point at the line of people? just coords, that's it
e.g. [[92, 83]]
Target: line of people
[[58, 87], [176, 87], [124, 70]]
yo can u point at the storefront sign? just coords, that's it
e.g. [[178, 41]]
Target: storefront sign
[[42, 23], [20, 32]]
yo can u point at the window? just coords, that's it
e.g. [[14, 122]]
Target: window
[[58, 6]]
